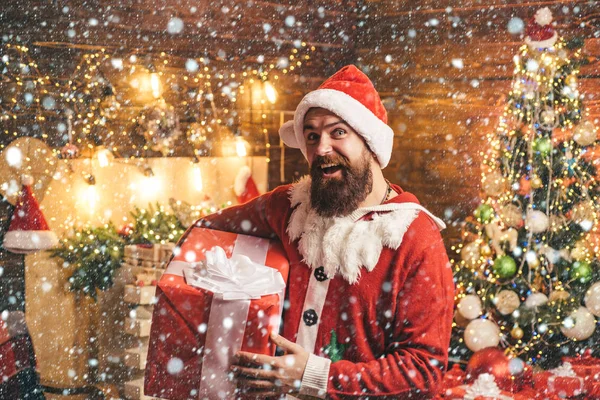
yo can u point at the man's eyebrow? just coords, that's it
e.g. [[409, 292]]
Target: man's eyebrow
[[309, 126]]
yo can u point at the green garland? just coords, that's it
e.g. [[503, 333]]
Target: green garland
[[96, 254], [154, 226]]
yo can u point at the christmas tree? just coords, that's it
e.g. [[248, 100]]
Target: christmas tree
[[527, 272]]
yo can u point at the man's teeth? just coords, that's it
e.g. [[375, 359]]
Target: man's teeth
[[328, 166]]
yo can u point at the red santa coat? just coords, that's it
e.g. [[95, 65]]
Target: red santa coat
[[389, 299]]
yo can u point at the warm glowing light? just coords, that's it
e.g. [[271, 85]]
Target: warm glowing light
[[155, 85], [270, 92], [90, 197], [197, 176], [104, 156], [240, 147]]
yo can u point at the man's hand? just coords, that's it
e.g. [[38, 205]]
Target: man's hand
[[266, 376]]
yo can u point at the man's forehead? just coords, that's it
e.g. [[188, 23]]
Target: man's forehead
[[323, 114], [318, 112]]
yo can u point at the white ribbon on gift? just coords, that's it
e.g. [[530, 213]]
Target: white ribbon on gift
[[485, 386], [234, 282]]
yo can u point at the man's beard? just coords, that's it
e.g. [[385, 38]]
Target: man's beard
[[338, 197]]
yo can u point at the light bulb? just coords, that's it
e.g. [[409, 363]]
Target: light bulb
[[104, 156], [155, 85], [240, 148], [270, 92]]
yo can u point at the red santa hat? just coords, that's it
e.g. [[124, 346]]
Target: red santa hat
[[540, 34], [350, 95], [244, 187], [28, 231]]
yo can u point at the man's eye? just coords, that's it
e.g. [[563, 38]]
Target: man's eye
[[312, 137], [339, 132]]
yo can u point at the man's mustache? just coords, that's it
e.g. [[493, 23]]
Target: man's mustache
[[323, 160]]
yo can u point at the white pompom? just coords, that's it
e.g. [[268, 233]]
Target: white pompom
[[27, 180], [543, 16]]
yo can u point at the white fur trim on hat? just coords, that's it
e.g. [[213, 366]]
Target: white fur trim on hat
[[239, 185], [25, 242], [377, 134], [541, 44]]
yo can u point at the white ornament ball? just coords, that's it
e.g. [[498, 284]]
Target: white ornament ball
[[585, 134], [580, 325], [470, 253], [592, 299], [470, 306], [535, 300], [507, 301], [537, 221], [481, 333]]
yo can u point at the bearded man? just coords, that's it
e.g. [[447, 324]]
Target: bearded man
[[369, 301]]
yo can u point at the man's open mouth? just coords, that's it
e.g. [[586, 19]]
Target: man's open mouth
[[330, 168]]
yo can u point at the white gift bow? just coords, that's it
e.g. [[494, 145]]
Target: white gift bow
[[235, 278], [485, 386]]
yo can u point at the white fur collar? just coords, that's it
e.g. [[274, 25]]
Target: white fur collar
[[343, 245]]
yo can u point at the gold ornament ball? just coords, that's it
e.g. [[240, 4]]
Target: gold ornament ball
[[512, 215], [536, 182], [579, 252], [494, 184], [517, 332], [571, 80], [559, 295], [507, 302], [585, 134], [534, 262], [486, 250]]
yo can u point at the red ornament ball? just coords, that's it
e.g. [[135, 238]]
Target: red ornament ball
[[510, 374], [69, 151], [126, 230]]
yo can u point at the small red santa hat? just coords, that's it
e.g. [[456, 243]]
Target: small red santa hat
[[350, 95], [28, 231], [540, 34], [244, 187]]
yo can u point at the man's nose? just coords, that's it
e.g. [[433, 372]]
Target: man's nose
[[324, 146]]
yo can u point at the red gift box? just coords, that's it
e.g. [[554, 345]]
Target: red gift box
[[453, 378], [585, 365], [549, 383], [195, 331]]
